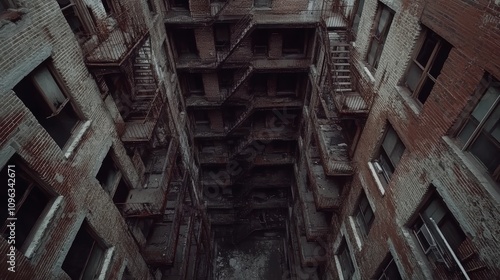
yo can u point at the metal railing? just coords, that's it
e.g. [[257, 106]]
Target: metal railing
[[113, 44]]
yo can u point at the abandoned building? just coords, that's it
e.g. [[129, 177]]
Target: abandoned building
[[250, 139]]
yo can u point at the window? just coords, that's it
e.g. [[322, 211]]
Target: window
[[286, 84], [388, 270], [260, 42], [436, 213], [195, 83], [426, 66], [127, 275], [151, 6], [391, 151], [480, 133], [32, 201], [293, 41], [383, 21], [225, 80], [221, 36], [262, 3], [9, 15], [345, 260], [44, 96], [74, 17], [108, 173], [185, 42], [85, 255], [357, 16], [259, 84], [108, 6], [364, 214], [179, 4]]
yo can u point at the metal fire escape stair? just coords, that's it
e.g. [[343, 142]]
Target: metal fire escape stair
[[145, 88], [244, 116], [241, 29], [247, 72]]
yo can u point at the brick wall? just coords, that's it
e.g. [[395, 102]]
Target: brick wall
[[428, 158]]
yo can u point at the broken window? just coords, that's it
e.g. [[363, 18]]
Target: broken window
[[260, 42], [286, 84], [388, 270], [480, 133], [43, 95], [194, 83], [383, 21], [364, 214], [262, 3], [222, 36], [108, 173], [357, 16], [345, 260], [32, 202], [185, 42], [75, 18], [293, 41], [179, 4], [436, 220], [426, 66], [108, 6], [85, 256], [391, 151], [121, 193]]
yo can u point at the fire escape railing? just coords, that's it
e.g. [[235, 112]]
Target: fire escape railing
[[114, 44]]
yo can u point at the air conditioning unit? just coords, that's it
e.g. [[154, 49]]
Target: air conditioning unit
[[428, 243]]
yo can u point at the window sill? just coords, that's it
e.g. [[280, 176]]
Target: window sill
[[77, 138], [369, 74], [108, 256], [414, 105], [473, 166], [40, 232], [376, 177], [357, 236]]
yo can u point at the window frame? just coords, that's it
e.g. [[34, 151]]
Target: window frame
[[85, 225], [383, 162], [385, 266], [22, 170], [420, 227], [487, 82], [259, 5], [365, 226], [381, 39], [48, 65], [344, 254], [440, 44]]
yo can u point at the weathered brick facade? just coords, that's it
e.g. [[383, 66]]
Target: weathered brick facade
[[194, 122]]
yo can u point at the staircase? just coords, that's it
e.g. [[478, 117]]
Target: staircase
[[247, 72], [145, 86], [346, 99], [242, 145], [244, 116], [241, 29]]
